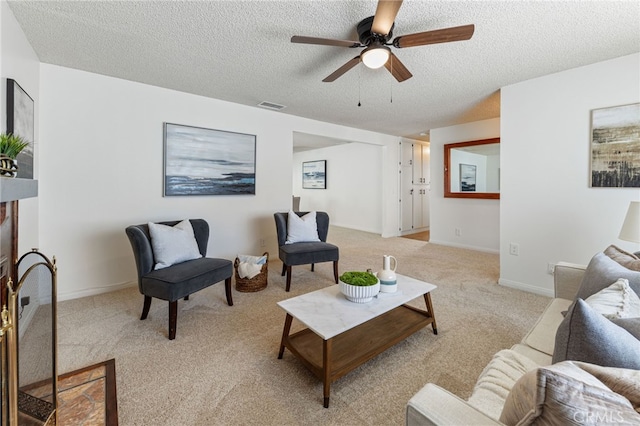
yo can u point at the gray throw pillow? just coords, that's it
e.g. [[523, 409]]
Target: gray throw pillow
[[632, 325], [587, 336], [601, 272]]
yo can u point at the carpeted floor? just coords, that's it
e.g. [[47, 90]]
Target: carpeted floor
[[222, 368]]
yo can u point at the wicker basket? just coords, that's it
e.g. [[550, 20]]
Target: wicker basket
[[257, 283]]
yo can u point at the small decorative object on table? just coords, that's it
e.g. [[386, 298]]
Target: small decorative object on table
[[251, 272], [387, 276], [10, 146], [359, 287]]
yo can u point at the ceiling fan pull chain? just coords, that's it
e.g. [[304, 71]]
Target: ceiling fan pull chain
[[359, 74]]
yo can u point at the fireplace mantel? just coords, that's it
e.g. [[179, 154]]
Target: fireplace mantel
[[12, 189]]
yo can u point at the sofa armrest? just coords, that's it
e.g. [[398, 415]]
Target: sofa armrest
[[433, 405], [567, 278]]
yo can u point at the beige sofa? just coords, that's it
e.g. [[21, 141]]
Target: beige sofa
[[433, 405]]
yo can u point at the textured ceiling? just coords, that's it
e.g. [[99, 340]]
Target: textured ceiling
[[240, 51]]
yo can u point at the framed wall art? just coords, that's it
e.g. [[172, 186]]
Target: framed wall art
[[467, 178], [314, 174], [20, 121], [615, 147], [199, 161]]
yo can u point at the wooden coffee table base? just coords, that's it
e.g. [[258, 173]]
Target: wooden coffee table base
[[333, 358]]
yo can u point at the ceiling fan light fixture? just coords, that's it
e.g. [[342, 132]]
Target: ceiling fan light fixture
[[375, 56]]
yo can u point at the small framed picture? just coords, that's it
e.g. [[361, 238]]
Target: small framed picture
[[467, 178], [314, 174]]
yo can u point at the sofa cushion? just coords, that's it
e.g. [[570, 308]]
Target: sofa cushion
[[601, 272], [540, 358], [565, 394], [542, 336], [626, 259], [497, 379], [585, 335]]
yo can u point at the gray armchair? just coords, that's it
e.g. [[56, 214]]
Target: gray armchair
[[305, 253], [180, 280]]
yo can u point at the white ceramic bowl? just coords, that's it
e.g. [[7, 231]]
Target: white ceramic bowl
[[359, 294]]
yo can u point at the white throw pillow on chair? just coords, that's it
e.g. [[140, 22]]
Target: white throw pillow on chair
[[173, 244], [302, 229]]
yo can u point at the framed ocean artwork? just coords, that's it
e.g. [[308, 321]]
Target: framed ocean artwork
[[20, 121], [200, 161], [314, 174]]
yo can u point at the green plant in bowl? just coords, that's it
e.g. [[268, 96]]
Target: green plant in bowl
[[357, 278], [11, 145]]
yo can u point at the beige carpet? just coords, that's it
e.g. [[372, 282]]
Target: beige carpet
[[222, 368]]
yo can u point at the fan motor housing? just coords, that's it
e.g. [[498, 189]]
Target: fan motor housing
[[365, 35]]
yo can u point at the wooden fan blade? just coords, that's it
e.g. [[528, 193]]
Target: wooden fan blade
[[385, 15], [343, 69], [397, 69], [444, 35], [325, 41]]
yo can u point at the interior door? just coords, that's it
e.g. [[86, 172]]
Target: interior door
[[426, 173], [406, 186]]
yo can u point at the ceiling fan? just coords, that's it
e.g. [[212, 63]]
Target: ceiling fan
[[375, 33]]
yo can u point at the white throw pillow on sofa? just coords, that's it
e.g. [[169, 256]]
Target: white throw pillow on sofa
[[616, 301], [173, 244], [302, 229]]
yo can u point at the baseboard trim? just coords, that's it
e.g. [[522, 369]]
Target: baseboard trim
[[525, 287], [464, 246], [94, 291]]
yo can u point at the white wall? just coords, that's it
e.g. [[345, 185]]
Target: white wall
[[547, 206], [478, 219], [353, 197], [101, 170], [19, 62]]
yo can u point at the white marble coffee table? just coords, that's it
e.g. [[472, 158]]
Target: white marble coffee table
[[342, 335]]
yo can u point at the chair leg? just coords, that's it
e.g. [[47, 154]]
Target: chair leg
[[227, 289], [173, 319], [288, 278], [335, 271], [284, 269], [312, 267], [145, 307]]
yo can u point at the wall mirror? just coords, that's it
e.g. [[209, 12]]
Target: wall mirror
[[472, 169]]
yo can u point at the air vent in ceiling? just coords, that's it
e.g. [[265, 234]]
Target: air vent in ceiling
[[271, 105]]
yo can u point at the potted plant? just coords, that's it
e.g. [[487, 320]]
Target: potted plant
[[359, 287], [10, 146]]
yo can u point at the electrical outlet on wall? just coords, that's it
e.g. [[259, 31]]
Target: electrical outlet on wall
[[262, 243], [458, 232], [551, 268], [514, 249]]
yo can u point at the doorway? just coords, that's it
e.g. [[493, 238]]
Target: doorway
[[415, 189]]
